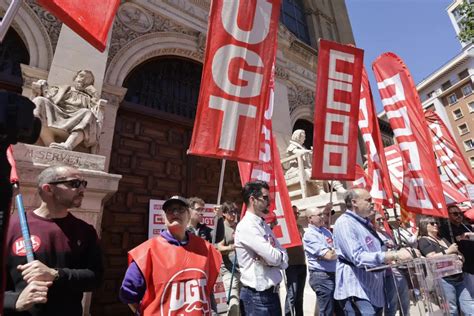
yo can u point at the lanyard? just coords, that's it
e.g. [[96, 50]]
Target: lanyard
[[368, 227]]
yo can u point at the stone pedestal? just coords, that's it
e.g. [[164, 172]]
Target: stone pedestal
[[31, 160]]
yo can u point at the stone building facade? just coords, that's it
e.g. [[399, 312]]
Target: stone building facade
[[150, 77]]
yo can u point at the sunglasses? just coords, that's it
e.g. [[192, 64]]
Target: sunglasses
[[379, 220], [433, 223], [74, 183]]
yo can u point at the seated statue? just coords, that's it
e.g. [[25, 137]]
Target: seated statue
[[70, 115], [296, 147]]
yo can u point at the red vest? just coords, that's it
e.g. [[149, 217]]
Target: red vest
[[179, 279]]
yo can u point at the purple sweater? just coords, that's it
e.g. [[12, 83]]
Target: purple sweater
[[134, 286]]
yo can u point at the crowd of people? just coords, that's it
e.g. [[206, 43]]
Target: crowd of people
[[351, 266]]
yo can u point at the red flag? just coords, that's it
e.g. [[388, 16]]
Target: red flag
[[448, 155], [422, 191], [91, 19], [336, 111], [269, 170], [378, 178], [396, 168], [240, 49], [360, 178]]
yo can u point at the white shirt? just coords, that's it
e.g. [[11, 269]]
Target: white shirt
[[254, 240]]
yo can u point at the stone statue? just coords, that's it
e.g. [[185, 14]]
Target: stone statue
[[296, 147], [70, 115]]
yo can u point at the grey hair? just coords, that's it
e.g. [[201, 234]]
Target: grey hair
[[52, 173], [311, 211], [349, 196]]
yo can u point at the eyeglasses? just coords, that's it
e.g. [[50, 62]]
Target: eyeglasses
[[73, 183], [456, 213], [380, 220], [433, 223]]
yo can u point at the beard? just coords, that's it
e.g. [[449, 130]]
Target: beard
[[266, 211]]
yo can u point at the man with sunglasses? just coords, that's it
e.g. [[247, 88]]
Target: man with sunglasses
[[261, 257], [463, 234], [68, 257], [321, 256]]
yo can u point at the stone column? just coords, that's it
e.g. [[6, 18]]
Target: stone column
[[114, 96]]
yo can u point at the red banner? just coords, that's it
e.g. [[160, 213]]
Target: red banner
[[336, 111], [240, 49], [422, 191], [396, 168], [269, 170], [360, 178], [90, 19], [448, 155], [378, 178]]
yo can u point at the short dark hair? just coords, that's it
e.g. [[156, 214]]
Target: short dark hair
[[253, 188], [349, 196], [227, 206], [52, 174]]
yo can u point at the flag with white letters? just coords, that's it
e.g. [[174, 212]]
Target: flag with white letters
[[336, 111], [378, 177], [422, 190], [240, 49]]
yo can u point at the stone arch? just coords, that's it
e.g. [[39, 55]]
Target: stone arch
[[32, 32], [150, 46], [302, 112]]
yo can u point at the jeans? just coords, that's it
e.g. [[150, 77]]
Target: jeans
[[255, 303], [396, 294], [226, 275], [295, 280], [456, 292], [323, 284], [356, 306]]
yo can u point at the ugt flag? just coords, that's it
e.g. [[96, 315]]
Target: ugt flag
[[240, 49]]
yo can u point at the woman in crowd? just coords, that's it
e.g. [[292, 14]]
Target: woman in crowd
[[430, 245]]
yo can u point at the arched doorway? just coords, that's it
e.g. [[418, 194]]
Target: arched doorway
[[152, 134], [308, 127], [13, 52]]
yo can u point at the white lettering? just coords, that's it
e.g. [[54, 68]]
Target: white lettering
[[399, 91], [260, 24], [328, 167], [334, 56], [230, 122], [329, 136], [221, 70]]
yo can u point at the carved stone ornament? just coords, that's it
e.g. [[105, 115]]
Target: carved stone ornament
[[299, 96], [71, 115], [135, 21], [135, 17], [49, 22]]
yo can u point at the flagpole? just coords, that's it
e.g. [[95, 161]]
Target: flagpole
[[8, 17], [25, 231], [219, 197]]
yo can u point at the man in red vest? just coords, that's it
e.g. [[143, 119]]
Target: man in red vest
[[173, 273]]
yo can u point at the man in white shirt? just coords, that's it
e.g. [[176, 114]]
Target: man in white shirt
[[261, 257]]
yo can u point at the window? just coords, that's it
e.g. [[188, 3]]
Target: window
[[430, 94], [446, 85], [472, 161], [463, 129], [293, 17], [471, 107], [469, 144], [429, 107], [452, 98], [463, 74], [467, 89], [457, 114]]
